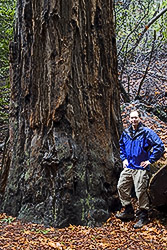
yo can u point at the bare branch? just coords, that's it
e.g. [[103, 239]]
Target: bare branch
[[146, 28], [131, 33], [146, 71], [125, 96]]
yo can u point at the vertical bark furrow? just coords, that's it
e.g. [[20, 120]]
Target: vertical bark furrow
[[64, 113]]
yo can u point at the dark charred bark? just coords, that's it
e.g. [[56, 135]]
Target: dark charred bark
[[61, 162]]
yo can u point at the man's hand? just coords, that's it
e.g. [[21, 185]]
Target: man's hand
[[144, 164], [125, 163]]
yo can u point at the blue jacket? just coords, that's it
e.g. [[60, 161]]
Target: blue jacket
[[144, 145]]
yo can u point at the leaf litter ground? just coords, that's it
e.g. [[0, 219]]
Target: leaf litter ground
[[113, 235]]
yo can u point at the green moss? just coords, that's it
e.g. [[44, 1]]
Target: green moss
[[27, 175], [69, 167], [87, 206]]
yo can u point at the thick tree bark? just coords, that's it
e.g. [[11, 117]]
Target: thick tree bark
[[62, 156]]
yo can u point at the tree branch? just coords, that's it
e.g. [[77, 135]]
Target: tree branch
[[146, 71], [146, 28], [125, 96], [131, 33]]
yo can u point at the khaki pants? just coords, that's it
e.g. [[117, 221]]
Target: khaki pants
[[140, 180]]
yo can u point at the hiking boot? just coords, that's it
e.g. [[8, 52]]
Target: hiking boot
[[138, 212], [143, 219], [127, 214]]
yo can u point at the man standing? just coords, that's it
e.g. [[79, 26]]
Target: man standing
[[139, 147]]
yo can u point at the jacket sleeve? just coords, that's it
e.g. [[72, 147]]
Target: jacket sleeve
[[157, 146], [123, 155]]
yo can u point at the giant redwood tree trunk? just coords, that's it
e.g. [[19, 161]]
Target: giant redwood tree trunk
[[60, 165]]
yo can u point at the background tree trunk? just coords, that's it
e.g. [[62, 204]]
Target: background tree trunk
[[61, 162]]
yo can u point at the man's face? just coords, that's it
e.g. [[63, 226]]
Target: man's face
[[134, 118]]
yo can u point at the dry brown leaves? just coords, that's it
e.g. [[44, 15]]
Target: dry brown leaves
[[113, 235]]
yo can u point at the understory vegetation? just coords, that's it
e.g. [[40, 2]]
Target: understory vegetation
[[141, 31], [7, 12]]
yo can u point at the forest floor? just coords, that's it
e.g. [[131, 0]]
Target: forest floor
[[112, 235]]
